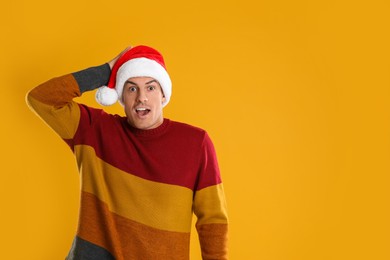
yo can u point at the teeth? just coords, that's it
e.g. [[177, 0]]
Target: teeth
[[141, 109]]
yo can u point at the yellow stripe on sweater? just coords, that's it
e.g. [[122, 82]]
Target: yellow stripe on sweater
[[210, 205], [162, 206], [63, 120]]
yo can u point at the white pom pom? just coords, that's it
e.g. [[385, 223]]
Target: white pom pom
[[106, 96]]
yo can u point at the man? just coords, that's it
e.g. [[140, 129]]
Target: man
[[142, 175]]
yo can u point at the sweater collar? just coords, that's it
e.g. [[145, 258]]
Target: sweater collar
[[150, 132]]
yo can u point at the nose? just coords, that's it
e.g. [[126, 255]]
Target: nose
[[142, 97]]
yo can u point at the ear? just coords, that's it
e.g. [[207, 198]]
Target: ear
[[163, 95]]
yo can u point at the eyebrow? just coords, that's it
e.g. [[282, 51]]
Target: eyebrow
[[131, 82]]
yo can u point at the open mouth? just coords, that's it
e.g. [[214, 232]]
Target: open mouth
[[141, 111]]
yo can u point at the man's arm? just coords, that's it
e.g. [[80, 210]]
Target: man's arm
[[210, 207], [53, 100]]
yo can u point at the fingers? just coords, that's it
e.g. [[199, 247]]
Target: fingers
[[112, 62]]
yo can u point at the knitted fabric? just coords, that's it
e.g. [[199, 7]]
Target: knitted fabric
[[139, 188]]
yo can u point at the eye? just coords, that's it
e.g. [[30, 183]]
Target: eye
[[151, 88], [132, 89]]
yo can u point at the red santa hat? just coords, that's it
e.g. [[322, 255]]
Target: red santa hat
[[140, 61]]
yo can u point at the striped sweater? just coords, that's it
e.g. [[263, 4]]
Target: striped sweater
[[139, 188]]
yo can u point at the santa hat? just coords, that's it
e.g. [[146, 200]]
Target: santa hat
[[140, 61]]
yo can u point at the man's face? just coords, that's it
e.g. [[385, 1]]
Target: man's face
[[143, 98]]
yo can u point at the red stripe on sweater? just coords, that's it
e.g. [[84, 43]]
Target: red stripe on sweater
[[174, 153]]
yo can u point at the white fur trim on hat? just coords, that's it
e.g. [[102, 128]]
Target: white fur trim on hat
[[143, 67]]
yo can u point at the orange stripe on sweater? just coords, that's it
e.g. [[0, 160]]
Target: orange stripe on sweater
[[127, 239], [52, 101], [213, 241], [56, 92]]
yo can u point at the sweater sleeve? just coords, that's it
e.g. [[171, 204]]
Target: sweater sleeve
[[210, 207], [53, 101]]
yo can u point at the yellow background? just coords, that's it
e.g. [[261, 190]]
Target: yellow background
[[295, 95]]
